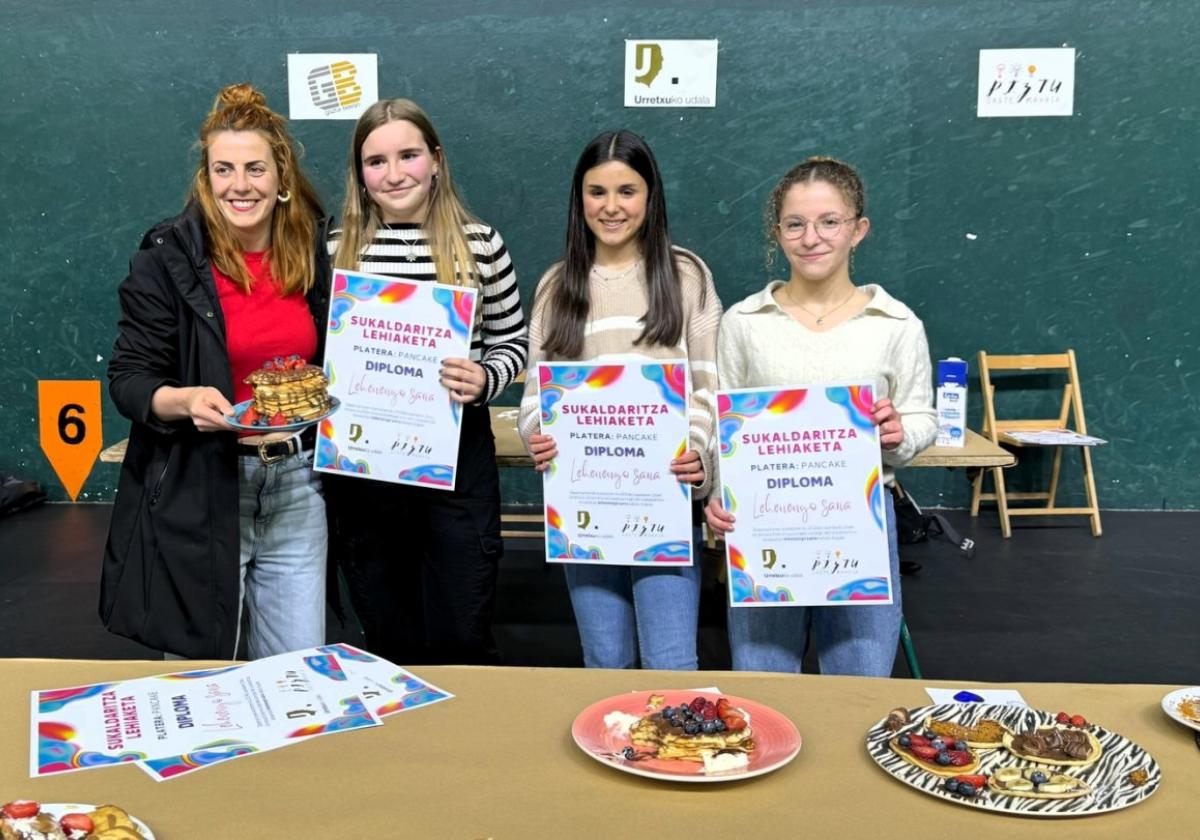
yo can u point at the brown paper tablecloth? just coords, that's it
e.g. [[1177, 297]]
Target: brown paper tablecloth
[[498, 762]]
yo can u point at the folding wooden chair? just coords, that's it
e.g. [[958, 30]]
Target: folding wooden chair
[[998, 431]]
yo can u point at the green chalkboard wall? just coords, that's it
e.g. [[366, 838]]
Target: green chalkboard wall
[[1026, 235]]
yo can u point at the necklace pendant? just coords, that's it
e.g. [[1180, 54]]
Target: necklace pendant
[[410, 256], [821, 320]]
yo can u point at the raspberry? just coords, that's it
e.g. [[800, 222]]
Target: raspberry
[[696, 705], [1062, 717]]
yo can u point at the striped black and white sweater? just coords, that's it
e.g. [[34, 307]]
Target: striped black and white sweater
[[499, 344]]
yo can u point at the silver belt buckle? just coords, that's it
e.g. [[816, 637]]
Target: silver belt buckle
[[273, 459]]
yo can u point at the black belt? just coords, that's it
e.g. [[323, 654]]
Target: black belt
[[277, 450]]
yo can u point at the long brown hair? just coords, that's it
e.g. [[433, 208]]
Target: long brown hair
[[570, 292], [293, 223], [444, 218]]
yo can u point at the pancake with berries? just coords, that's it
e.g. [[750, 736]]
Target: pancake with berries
[[687, 732], [937, 755]]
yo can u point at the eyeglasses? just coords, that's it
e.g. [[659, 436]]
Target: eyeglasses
[[827, 227]]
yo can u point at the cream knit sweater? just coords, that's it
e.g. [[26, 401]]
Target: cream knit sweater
[[761, 345], [618, 302]]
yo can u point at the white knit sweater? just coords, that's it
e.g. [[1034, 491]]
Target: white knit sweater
[[760, 345]]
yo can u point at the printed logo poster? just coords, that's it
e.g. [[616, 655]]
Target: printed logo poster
[[196, 717], [800, 469], [331, 86], [384, 348], [1027, 83], [670, 74], [610, 495]]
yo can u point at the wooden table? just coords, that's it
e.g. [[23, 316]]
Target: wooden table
[[498, 762], [978, 451]]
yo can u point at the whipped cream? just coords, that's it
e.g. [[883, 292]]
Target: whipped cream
[[724, 762], [620, 722]]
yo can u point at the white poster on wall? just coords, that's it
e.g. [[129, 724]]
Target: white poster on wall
[[331, 86], [670, 74], [1027, 83]]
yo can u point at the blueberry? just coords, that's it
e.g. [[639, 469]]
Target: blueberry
[[951, 786], [961, 746], [929, 734], [938, 744], [629, 753], [966, 789], [905, 741], [709, 727], [943, 758], [691, 727], [1038, 777], [719, 725]]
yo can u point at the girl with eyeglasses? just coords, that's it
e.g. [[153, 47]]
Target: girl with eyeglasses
[[421, 564], [819, 326], [622, 292]]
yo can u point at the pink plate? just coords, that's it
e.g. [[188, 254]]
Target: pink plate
[[776, 739]]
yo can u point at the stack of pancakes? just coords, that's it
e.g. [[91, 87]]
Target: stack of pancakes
[[672, 743], [300, 393]]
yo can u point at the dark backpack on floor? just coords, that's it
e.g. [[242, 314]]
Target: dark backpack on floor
[[913, 525], [16, 494]]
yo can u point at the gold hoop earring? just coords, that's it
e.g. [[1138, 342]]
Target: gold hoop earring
[[284, 197]]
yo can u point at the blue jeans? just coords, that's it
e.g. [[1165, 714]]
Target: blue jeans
[[850, 640], [624, 612], [283, 543]]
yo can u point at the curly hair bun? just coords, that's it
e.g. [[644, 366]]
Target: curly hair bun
[[239, 95]]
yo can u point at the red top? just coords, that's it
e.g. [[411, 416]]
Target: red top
[[263, 324]]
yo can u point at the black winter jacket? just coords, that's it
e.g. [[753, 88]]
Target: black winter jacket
[[170, 576]]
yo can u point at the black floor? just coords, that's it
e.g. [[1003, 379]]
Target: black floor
[[1052, 604]]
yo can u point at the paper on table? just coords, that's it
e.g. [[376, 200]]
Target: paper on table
[[991, 696], [382, 688], [1056, 437]]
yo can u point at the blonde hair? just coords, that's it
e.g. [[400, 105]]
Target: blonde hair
[[444, 218], [293, 223]]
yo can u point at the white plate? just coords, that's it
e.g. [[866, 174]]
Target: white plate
[[1171, 702], [1106, 777], [59, 809]]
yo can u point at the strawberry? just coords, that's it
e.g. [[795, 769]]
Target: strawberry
[[249, 416], [919, 740], [926, 753], [76, 822], [1062, 717], [959, 758], [734, 723], [979, 780], [277, 419], [21, 809], [1079, 720], [723, 707]]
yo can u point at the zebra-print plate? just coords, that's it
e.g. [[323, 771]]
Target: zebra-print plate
[[1108, 777]]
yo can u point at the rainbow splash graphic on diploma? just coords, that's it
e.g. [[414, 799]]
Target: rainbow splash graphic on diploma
[[672, 384], [874, 493], [555, 381], [865, 589], [857, 401], [328, 454], [733, 410], [459, 305], [203, 756], [743, 589], [559, 545], [58, 752], [350, 289]]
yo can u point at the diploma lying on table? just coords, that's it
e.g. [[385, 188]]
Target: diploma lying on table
[[800, 469], [1055, 437], [610, 495]]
